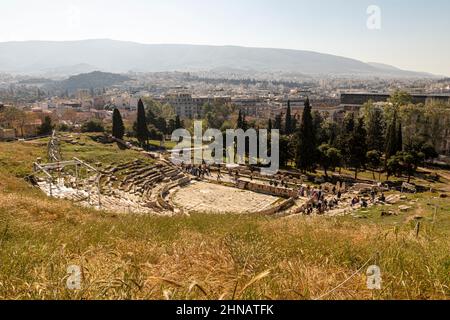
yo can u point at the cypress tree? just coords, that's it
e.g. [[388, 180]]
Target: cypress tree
[[141, 124], [294, 124], [399, 141], [306, 146], [357, 147], [343, 140], [244, 123], [239, 121], [289, 128], [278, 122], [375, 130], [118, 129], [317, 125], [391, 139]]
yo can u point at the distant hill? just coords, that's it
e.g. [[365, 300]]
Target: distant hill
[[391, 70], [93, 80], [120, 57], [68, 70]]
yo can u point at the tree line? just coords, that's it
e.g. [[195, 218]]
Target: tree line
[[372, 139]]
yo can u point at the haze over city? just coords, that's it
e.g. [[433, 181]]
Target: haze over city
[[411, 34]]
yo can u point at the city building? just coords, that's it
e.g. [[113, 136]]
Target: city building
[[188, 106], [354, 101], [182, 103]]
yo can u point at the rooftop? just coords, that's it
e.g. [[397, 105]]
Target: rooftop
[[388, 94]]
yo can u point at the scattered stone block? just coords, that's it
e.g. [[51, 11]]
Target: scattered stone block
[[393, 199], [404, 208], [387, 213]]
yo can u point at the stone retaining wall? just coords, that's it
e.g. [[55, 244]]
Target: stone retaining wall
[[267, 189]]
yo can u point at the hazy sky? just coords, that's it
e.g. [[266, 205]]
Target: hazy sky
[[413, 34]]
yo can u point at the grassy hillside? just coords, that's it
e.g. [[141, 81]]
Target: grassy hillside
[[209, 256]]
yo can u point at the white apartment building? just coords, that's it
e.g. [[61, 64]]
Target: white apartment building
[[182, 103], [187, 106]]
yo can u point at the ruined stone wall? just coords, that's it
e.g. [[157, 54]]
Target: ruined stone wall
[[267, 189]]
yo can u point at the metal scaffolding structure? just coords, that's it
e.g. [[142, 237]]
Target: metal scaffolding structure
[[50, 169]]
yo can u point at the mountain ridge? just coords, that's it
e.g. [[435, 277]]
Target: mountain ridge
[[124, 56]]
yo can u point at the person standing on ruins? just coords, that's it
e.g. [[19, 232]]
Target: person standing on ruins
[[218, 173]]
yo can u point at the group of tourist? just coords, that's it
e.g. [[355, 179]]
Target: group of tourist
[[199, 171], [317, 200], [373, 197], [357, 200]]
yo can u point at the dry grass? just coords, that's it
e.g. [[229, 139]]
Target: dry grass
[[210, 256]]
